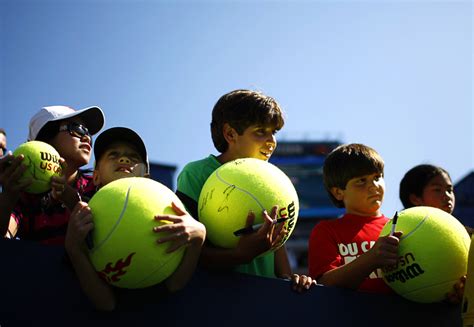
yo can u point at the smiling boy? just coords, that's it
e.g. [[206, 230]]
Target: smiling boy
[[244, 124]]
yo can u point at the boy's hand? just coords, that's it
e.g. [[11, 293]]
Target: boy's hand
[[58, 187], [61, 191], [266, 238], [385, 250], [183, 231], [80, 224], [457, 293], [300, 283], [11, 170]]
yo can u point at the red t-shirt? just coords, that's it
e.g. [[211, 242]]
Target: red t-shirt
[[40, 220], [333, 243]]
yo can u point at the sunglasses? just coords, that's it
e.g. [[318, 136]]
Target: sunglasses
[[76, 129]]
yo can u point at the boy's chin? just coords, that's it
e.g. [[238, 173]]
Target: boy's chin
[[119, 175], [263, 157]]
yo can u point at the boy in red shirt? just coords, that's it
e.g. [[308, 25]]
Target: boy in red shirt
[[347, 252]]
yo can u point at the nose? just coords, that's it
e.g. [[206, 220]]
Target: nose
[[271, 139], [86, 138], [124, 160], [374, 184], [447, 195]]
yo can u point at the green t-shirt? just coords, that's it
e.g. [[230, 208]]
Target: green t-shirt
[[190, 183]]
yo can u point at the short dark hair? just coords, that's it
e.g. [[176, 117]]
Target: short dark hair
[[2, 131], [241, 109], [416, 179], [349, 161]]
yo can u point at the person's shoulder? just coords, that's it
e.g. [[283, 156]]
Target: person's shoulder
[[194, 175], [382, 218], [85, 184], [325, 225], [84, 178], [209, 160], [200, 167]]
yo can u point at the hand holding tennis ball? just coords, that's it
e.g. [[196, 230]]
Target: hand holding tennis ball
[[42, 162]]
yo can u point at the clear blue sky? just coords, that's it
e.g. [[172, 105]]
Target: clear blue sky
[[395, 75]]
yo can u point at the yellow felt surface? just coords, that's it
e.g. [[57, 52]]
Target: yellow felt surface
[[432, 254], [124, 243]]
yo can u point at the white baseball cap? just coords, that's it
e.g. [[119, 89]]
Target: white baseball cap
[[93, 118]]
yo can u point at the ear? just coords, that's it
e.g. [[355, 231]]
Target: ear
[[338, 193], [229, 133], [417, 201], [96, 177]]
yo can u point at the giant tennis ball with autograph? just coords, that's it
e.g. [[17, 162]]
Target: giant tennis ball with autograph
[[433, 253], [42, 162], [125, 252], [239, 186]]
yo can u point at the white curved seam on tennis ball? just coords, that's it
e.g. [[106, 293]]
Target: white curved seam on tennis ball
[[416, 227], [238, 188], [116, 223]]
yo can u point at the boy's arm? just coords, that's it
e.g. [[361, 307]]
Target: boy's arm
[[299, 283], [11, 169], [282, 264], [184, 231], [98, 291], [351, 275], [249, 246], [189, 203], [220, 258], [61, 191]]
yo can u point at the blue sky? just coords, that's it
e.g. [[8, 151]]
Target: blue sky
[[395, 75]]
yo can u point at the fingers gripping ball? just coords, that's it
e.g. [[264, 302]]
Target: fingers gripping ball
[[125, 251], [432, 254], [239, 186], [42, 161]]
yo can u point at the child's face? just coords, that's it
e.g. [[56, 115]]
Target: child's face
[[257, 142], [75, 149], [363, 195], [118, 161], [438, 193]]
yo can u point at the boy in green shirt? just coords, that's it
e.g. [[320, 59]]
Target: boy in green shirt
[[244, 124]]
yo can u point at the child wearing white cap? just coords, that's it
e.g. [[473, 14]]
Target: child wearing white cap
[[44, 217]]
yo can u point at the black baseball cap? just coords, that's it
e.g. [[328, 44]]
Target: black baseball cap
[[120, 134]]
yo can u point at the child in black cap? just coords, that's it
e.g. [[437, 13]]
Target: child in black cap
[[121, 153]]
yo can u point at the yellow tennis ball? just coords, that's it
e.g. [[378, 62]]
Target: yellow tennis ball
[[239, 186], [42, 161], [432, 254], [125, 251]]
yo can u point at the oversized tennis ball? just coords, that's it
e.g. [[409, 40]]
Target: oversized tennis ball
[[42, 161], [432, 253], [125, 252], [239, 186]]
